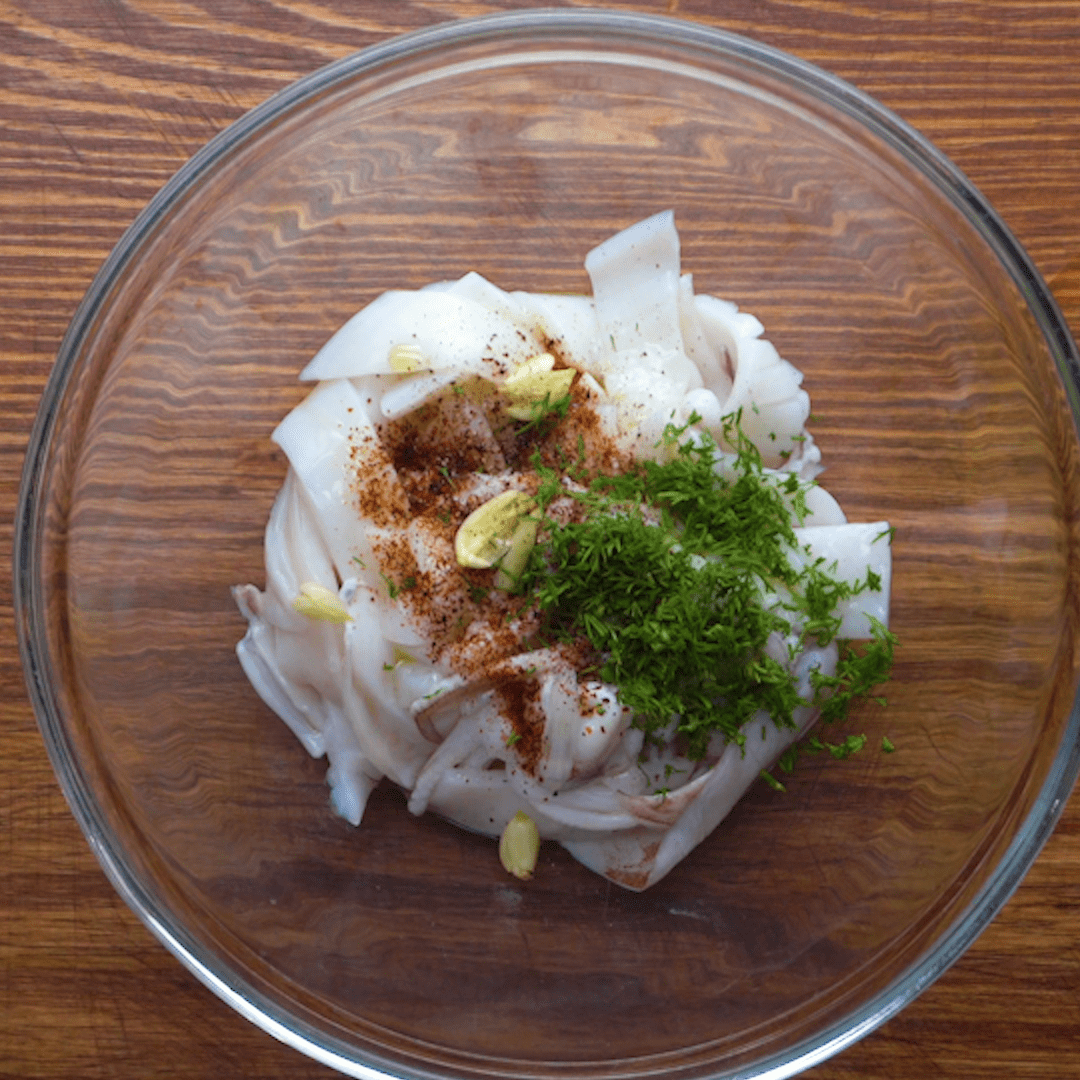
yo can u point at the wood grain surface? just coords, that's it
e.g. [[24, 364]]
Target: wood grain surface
[[100, 103]]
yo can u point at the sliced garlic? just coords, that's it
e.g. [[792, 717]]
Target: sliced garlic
[[537, 389], [519, 846], [487, 534], [318, 602], [405, 358], [522, 542], [524, 372]]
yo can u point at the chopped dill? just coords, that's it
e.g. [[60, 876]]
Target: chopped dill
[[851, 745], [477, 593], [772, 781], [545, 414], [788, 759], [680, 574], [551, 486], [857, 673]]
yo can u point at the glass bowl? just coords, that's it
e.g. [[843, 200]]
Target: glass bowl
[[944, 389]]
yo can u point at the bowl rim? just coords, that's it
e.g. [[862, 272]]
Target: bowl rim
[[641, 29]]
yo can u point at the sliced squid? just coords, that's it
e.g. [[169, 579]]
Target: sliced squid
[[635, 280], [446, 331], [421, 677]]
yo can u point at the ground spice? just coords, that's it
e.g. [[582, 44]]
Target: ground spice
[[519, 699], [423, 474], [379, 495]]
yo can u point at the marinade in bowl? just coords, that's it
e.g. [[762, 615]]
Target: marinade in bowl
[[943, 382]]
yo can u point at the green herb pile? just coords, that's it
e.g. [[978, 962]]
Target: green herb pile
[[678, 575]]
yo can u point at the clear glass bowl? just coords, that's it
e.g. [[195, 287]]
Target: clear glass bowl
[[944, 386]]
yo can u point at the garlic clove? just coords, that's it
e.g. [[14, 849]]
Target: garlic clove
[[318, 602], [519, 846], [486, 535]]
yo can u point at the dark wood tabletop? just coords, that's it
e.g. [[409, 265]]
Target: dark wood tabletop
[[100, 102]]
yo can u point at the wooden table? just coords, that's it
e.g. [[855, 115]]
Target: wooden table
[[100, 102]]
